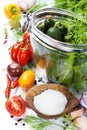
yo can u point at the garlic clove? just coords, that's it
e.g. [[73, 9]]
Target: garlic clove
[[80, 123], [77, 113]]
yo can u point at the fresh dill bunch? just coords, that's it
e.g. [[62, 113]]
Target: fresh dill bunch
[[39, 123], [77, 6]]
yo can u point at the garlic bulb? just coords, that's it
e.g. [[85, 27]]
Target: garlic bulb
[[25, 4]]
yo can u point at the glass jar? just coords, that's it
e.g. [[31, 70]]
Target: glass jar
[[64, 63]]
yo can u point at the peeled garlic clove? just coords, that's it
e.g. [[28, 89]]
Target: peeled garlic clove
[[77, 113]]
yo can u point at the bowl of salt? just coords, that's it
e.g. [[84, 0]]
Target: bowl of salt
[[51, 100]]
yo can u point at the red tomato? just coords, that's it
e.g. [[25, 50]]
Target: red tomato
[[26, 37], [23, 56], [26, 40], [31, 54], [15, 49], [16, 106]]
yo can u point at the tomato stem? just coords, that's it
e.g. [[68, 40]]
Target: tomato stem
[[14, 10]]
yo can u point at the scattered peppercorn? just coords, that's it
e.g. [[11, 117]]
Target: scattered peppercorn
[[63, 122], [16, 123], [23, 124], [19, 120], [35, 82], [67, 124], [40, 79], [12, 116]]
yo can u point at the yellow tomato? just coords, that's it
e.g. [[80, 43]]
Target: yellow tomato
[[27, 79], [11, 10]]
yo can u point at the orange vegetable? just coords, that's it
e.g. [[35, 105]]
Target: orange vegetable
[[11, 10], [27, 79]]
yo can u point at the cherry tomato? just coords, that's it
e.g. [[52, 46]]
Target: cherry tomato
[[15, 49], [27, 79], [23, 56], [26, 37], [16, 106]]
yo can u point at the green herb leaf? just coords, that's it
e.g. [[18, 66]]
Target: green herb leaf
[[36, 7], [36, 122]]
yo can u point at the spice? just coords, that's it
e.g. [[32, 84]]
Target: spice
[[23, 124], [8, 89], [19, 120], [12, 116], [16, 123], [35, 82], [50, 102], [5, 41]]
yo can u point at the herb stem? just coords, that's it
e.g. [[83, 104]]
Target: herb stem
[[57, 125]]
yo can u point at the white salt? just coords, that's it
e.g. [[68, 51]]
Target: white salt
[[50, 102]]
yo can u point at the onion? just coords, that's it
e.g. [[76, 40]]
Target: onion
[[25, 4], [83, 100], [14, 69]]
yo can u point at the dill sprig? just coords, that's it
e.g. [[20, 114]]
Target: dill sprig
[[39, 123], [77, 6]]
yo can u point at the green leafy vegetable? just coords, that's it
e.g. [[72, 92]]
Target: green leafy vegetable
[[36, 7], [53, 68], [75, 5], [66, 77], [72, 68], [77, 30], [80, 72], [38, 123]]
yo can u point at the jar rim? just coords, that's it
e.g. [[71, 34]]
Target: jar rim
[[64, 46]]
